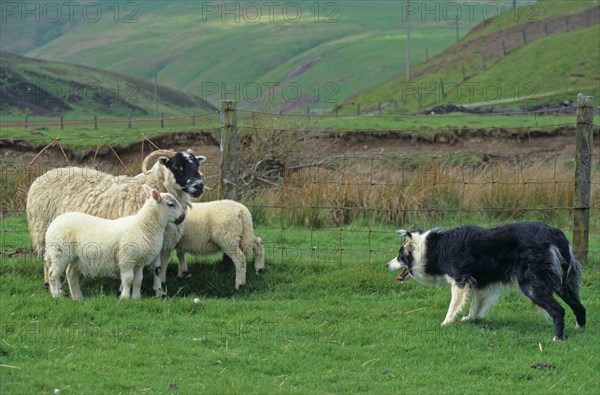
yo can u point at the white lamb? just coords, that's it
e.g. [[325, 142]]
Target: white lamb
[[83, 244], [222, 225]]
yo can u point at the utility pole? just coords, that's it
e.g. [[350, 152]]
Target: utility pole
[[407, 40], [457, 35], [155, 100]]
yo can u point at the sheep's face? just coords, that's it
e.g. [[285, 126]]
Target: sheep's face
[[185, 169]]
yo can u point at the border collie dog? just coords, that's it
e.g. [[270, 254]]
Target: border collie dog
[[477, 261]]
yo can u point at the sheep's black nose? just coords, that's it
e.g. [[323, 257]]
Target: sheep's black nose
[[179, 219], [195, 188]]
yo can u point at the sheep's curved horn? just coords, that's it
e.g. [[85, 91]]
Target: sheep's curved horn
[[153, 156]]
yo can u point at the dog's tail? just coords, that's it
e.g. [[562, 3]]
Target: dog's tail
[[572, 273], [564, 258]]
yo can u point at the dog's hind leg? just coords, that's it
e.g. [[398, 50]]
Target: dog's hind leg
[[459, 297], [572, 299], [543, 297]]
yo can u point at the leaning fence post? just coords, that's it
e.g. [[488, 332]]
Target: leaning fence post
[[229, 164], [583, 175]]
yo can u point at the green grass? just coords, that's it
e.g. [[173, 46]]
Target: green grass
[[531, 13], [318, 321], [547, 70]]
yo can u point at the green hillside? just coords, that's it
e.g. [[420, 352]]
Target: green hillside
[[291, 55], [559, 58], [39, 87]]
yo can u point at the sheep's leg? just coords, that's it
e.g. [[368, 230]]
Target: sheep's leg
[[239, 260], [54, 282], [56, 262], [259, 256], [138, 275], [73, 279], [160, 271], [46, 277], [183, 268], [127, 277]]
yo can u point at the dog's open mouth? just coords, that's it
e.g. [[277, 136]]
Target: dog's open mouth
[[402, 276]]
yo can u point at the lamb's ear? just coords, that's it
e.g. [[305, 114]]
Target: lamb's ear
[[201, 159], [153, 193], [403, 232]]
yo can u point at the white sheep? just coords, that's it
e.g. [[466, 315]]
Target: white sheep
[[222, 225], [83, 244], [103, 195]]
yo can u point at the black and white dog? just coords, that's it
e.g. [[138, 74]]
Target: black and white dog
[[536, 257]]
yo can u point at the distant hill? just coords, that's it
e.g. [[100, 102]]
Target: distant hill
[[529, 57], [283, 55], [39, 87]]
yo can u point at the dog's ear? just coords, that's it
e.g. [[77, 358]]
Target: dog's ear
[[403, 232]]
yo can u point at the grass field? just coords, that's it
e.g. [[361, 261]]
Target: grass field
[[320, 320], [546, 70]]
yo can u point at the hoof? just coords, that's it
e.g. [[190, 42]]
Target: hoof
[[185, 274], [558, 339], [46, 286], [260, 271], [240, 287]]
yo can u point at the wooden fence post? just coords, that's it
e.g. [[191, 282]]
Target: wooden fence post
[[229, 154], [162, 120], [95, 121], [129, 121], [583, 176], [26, 121], [62, 122]]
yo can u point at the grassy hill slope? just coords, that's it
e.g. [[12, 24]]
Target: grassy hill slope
[[299, 54], [494, 66], [40, 87]]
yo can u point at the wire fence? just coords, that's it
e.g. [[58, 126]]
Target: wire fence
[[327, 196]]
